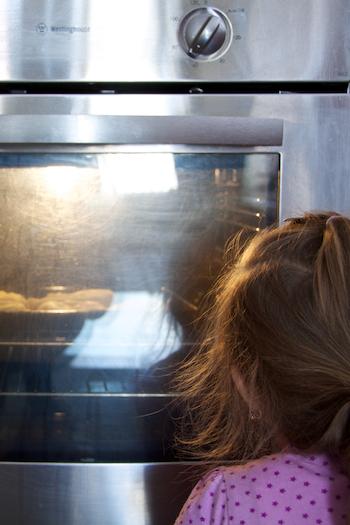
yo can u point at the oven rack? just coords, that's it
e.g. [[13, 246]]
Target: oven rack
[[36, 370]]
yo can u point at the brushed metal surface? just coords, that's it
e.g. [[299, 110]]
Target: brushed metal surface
[[90, 494], [106, 40], [221, 130], [316, 133]]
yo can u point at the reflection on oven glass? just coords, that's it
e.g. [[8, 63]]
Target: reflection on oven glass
[[133, 334], [154, 173], [107, 261]]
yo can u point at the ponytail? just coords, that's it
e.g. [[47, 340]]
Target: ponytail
[[332, 286], [333, 437], [332, 276]]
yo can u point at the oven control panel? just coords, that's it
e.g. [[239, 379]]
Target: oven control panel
[[174, 41], [205, 33]]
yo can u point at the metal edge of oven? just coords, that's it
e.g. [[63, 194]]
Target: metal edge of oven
[[107, 494], [314, 160]]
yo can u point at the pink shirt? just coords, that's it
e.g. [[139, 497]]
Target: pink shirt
[[283, 489]]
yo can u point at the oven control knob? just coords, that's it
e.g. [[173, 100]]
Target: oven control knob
[[205, 33]]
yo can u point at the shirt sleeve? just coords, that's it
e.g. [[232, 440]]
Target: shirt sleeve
[[207, 504]]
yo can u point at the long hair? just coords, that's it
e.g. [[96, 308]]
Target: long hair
[[281, 322]]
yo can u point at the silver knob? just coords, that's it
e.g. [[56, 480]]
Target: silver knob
[[205, 33]]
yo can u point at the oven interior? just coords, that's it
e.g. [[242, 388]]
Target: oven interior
[[106, 263]]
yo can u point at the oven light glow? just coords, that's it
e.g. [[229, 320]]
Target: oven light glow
[[62, 182], [139, 173]]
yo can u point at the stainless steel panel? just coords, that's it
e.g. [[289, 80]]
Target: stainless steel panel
[[236, 131], [316, 133], [113, 40], [76, 494]]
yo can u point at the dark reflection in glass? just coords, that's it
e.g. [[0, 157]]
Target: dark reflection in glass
[[105, 266]]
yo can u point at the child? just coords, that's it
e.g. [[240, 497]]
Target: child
[[269, 390]]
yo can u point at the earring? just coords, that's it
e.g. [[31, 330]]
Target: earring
[[255, 414]]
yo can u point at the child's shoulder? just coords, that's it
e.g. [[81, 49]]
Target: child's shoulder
[[296, 465], [273, 484]]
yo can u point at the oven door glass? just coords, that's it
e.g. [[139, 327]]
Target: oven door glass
[[106, 262]]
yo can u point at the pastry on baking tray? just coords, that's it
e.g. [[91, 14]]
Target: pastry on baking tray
[[84, 301], [12, 302]]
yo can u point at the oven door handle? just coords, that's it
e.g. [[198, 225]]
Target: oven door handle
[[231, 131], [111, 129]]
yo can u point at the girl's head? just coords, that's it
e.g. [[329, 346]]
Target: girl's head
[[274, 367]]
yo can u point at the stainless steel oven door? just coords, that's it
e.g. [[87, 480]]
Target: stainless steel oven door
[[85, 160]]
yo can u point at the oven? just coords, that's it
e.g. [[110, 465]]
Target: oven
[[134, 143]]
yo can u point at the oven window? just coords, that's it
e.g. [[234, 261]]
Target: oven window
[[105, 268]]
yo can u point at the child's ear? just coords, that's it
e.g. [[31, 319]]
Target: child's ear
[[239, 384]]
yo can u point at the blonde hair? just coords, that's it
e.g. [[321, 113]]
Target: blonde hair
[[281, 320]]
